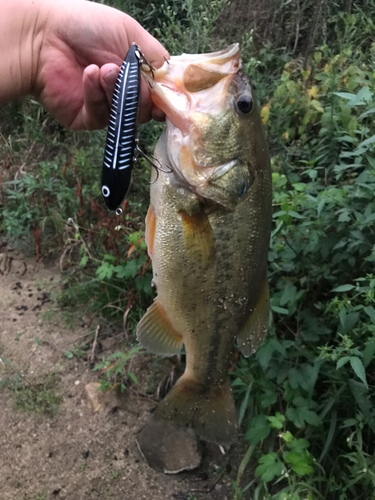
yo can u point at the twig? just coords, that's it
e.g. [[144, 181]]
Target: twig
[[92, 356]]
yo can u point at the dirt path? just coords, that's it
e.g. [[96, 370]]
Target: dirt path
[[74, 454]]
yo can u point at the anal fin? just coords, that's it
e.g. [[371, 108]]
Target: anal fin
[[156, 333], [255, 327]]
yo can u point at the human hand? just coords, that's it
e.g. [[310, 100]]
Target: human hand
[[82, 48]]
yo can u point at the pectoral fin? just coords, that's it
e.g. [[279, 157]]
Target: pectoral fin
[[198, 236], [156, 333], [255, 327]]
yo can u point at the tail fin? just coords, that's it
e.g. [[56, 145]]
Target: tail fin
[[209, 411]]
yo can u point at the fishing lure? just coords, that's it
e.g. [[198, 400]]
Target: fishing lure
[[121, 142]]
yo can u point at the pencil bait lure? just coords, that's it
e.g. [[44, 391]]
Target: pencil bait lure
[[121, 142]]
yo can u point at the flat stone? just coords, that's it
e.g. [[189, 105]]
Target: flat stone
[[102, 400], [168, 448]]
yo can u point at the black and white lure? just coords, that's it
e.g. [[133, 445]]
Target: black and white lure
[[121, 142]]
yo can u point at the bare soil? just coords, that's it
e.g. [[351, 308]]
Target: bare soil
[[75, 453]]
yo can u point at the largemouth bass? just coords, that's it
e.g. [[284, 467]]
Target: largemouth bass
[[207, 232]]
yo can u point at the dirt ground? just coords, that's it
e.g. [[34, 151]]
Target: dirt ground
[[75, 453]]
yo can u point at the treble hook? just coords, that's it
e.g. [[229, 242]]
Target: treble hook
[[154, 162], [143, 61]]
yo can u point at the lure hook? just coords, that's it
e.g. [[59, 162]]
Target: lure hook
[[143, 61], [154, 162]]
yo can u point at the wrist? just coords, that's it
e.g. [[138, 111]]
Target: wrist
[[21, 35]]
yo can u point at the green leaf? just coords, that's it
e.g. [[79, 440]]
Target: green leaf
[[368, 219], [269, 467], [105, 271], [280, 310], [343, 288], [134, 237], [366, 113], [109, 258], [321, 205], [370, 311], [360, 393], [132, 377], [127, 270], [300, 463], [301, 415], [342, 361], [287, 437], [243, 406], [143, 283], [366, 142], [368, 353], [268, 398], [83, 261], [296, 215], [276, 422], [359, 369], [259, 429], [299, 445], [348, 320], [345, 95]]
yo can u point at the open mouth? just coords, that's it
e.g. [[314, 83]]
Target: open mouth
[[185, 84]]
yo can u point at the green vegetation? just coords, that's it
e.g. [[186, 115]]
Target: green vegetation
[[38, 398], [114, 370], [39, 496], [306, 398]]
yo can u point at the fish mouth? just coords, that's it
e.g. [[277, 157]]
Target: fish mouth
[[193, 82]]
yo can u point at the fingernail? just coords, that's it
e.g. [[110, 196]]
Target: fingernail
[[111, 76]]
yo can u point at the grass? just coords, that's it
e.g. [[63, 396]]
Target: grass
[[39, 496], [40, 398]]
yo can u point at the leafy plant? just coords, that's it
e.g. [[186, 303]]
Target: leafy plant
[[114, 369], [316, 366]]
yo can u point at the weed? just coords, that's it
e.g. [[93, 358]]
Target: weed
[[77, 351], [38, 398], [114, 369], [39, 496], [307, 396]]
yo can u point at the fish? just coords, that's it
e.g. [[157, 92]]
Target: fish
[[207, 232]]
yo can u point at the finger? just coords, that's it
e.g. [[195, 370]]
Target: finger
[[95, 111], [144, 113], [108, 76]]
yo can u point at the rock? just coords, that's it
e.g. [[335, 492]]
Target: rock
[[168, 448], [102, 400]]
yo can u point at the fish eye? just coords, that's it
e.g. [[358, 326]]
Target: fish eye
[[245, 104]]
